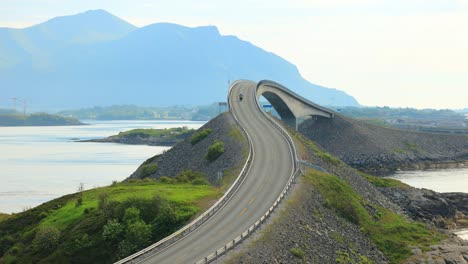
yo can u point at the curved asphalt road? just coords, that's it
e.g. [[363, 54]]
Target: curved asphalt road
[[270, 170]]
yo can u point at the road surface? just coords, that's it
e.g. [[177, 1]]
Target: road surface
[[270, 170]]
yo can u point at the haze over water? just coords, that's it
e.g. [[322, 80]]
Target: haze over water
[[42, 163]]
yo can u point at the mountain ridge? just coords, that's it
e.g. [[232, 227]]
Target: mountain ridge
[[91, 63]]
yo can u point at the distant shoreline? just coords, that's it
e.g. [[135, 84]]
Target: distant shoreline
[[37, 119]]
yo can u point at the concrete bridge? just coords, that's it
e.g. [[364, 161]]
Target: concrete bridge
[[289, 105]]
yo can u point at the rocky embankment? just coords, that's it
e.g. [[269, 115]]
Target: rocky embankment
[[373, 148], [187, 156], [309, 230]]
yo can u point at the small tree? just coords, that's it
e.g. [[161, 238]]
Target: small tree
[[79, 201], [131, 215], [112, 230], [214, 151], [138, 233]]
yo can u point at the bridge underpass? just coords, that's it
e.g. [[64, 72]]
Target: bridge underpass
[[289, 105]]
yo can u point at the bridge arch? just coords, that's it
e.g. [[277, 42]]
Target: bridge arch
[[289, 105]]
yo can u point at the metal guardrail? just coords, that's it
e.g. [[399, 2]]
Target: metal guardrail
[[236, 241], [313, 166], [203, 218]]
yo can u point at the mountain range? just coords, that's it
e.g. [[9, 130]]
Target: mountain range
[[96, 58]]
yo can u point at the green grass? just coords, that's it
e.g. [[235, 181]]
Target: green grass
[[297, 252], [200, 135], [383, 182], [236, 134], [392, 233], [325, 156], [337, 237], [345, 257], [186, 194]]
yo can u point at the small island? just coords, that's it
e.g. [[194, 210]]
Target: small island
[[151, 137], [37, 119]]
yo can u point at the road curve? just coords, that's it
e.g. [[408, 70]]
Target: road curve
[[271, 167]]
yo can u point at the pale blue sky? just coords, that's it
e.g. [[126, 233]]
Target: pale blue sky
[[384, 52]]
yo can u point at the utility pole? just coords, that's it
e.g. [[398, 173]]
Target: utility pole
[[24, 106], [14, 102]]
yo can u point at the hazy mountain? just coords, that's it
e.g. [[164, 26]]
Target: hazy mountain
[[95, 58]]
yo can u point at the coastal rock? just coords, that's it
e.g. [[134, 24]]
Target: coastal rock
[[451, 251], [442, 209]]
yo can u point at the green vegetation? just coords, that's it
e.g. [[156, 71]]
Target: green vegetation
[[3, 216], [236, 134], [132, 112], [187, 176], [325, 156], [111, 222], [397, 113], [151, 132], [297, 252], [349, 258], [159, 137], [148, 169], [200, 135], [384, 182], [214, 151], [392, 233], [37, 119], [337, 237]]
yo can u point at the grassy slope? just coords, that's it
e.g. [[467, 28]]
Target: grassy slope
[[392, 233], [88, 219]]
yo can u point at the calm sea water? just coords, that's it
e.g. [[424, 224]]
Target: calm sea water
[[448, 180], [42, 163]]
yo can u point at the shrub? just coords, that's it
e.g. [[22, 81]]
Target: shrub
[[214, 151], [138, 233], [47, 238], [132, 214], [5, 243], [297, 252], [200, 182], [165, 179], [189, 176], [165, 222], [199, 136], [83, 242], [148, 169], [112, 230]]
